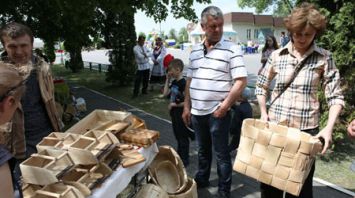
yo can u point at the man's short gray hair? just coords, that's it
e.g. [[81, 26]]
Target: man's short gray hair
[[213, 11]]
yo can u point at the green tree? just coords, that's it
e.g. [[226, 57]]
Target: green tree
[[281, 8], [142, 34], [172, 34], [77, 19], [183, 35]]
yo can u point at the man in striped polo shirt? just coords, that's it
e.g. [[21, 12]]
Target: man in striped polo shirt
[[216, 76]]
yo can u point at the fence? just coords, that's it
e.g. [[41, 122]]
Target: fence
[[96, 66]]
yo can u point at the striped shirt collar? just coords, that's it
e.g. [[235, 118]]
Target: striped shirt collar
[[218, 44]]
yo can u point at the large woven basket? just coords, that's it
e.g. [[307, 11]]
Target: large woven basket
[[151, 191], [167, 153], [276, 155]]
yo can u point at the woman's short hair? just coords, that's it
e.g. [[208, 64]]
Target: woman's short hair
[[11, 82], [305, 14]]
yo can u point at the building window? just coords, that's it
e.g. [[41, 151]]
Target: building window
[[256, 34], [248, 34]]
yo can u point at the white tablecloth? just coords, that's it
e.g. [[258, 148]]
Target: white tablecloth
[[121, 177]]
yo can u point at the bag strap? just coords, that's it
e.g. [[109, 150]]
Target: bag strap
[[295, 73]]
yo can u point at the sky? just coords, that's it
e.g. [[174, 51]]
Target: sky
[[146, 25]]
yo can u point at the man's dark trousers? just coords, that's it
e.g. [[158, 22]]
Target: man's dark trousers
[[141, 75]]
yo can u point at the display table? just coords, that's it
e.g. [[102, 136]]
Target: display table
[[121, 177]]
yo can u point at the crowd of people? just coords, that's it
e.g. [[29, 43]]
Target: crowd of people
[[208, 105]]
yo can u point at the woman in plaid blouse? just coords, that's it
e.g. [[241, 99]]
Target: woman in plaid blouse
[[298, 105]]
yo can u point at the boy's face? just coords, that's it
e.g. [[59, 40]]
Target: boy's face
[[174, 72]]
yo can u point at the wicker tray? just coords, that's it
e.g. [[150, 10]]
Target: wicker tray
[[140, 137], [276, 155], [97, 119]]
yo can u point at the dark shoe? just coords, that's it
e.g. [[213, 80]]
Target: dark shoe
[[202, 184], [192, 136], [222, 194], [134, 96]]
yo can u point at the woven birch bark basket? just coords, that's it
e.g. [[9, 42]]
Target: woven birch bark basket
[[276, 155]]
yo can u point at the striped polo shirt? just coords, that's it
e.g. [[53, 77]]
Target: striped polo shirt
[[212, 75]]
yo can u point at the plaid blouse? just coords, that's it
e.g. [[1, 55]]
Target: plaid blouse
[[298, 106]]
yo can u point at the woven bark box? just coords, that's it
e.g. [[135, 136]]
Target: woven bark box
[[276, 155], [151, 191], [92, 147], [88, 175], [57, 140], [58, 190], [105, 142], [140, 137], [167, 153], [114, 126], [125, 155], [98, 118], [46, 167], [29, 190]]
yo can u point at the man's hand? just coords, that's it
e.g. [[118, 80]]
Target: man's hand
[[186, 116], [220, 112], [351, 129], [326, 134]]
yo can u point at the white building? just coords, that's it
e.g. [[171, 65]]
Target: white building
[[243, 27]]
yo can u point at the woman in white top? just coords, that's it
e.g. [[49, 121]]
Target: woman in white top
[[158, 72]]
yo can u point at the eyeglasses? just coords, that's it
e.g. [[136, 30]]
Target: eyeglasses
[[300, 35], [7, 93]]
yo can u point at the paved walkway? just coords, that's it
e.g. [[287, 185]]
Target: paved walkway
[[242, 186]]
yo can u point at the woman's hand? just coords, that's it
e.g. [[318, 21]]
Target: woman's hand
[[351, 129], [326, 135], [264, 117]]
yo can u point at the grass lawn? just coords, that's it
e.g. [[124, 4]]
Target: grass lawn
[[334, 167]]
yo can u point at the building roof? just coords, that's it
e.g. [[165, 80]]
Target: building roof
[[279, 22], [241, 17], [263, 20], [248, 17]]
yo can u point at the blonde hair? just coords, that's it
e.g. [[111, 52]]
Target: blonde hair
[[11, 82], [305, 14]]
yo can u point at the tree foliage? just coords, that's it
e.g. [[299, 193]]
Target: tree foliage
[[183, 35], [172, 34], [339, 39], [280, 8]]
